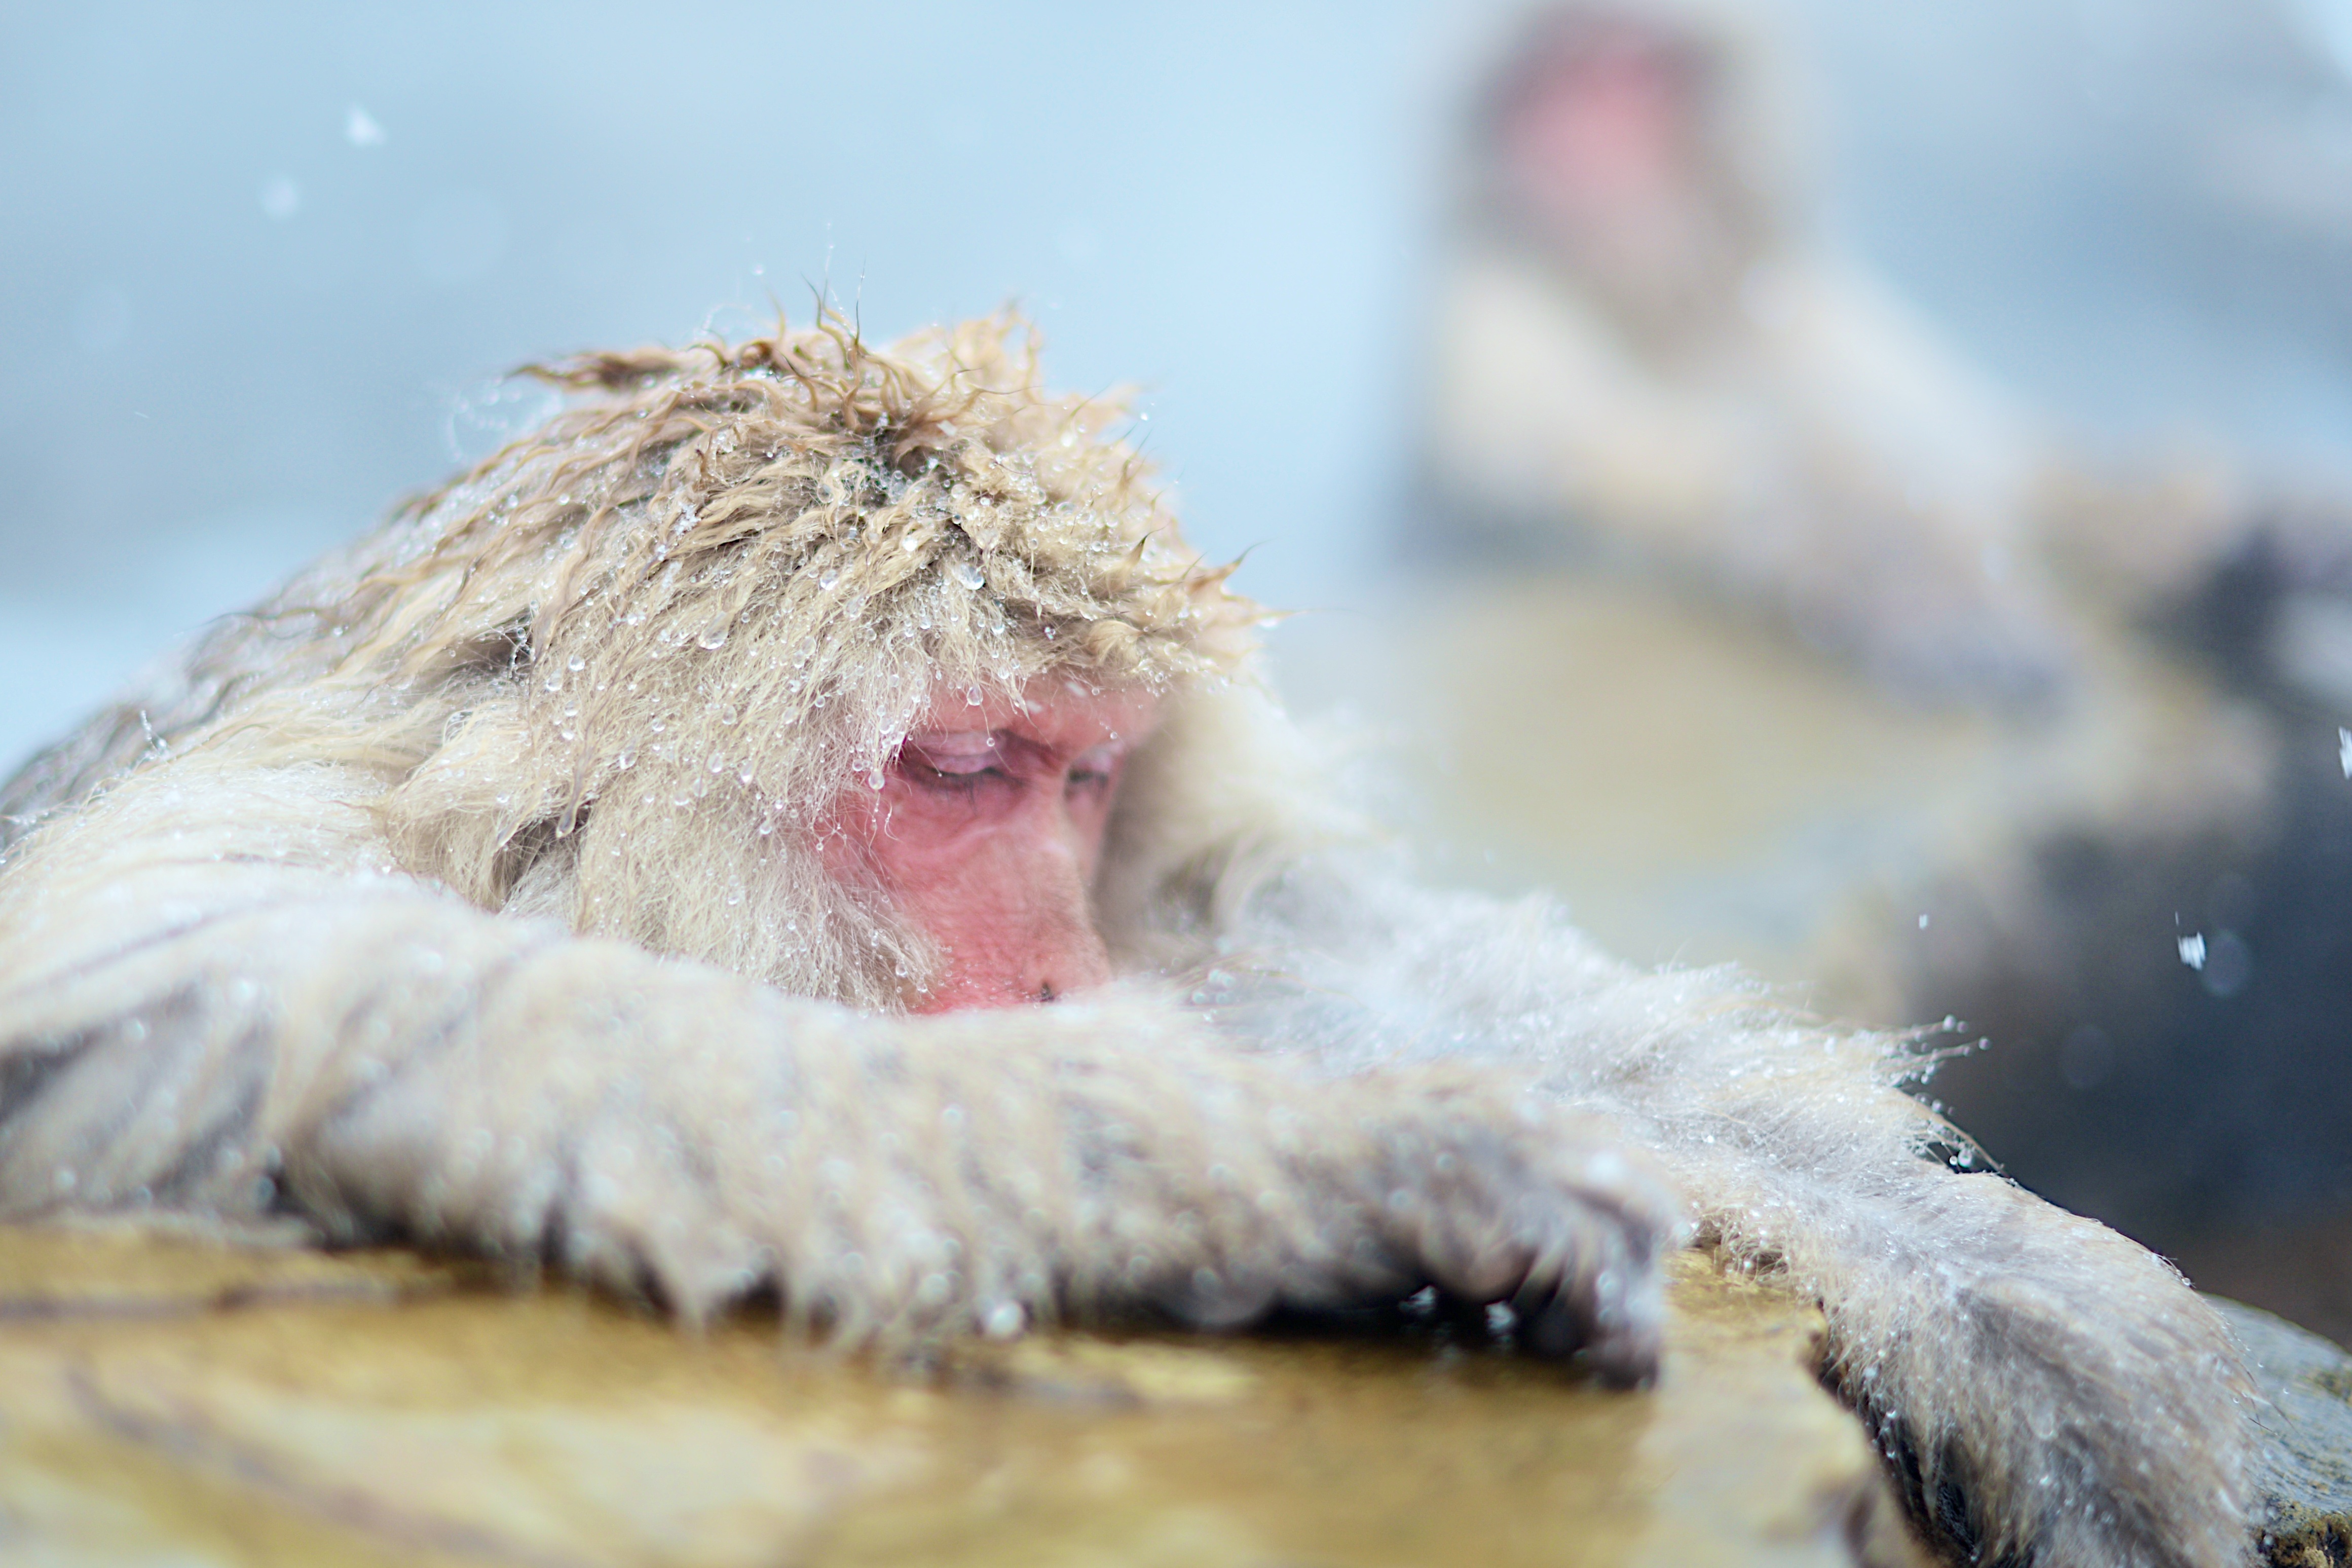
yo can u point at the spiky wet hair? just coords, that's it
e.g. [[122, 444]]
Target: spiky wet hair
[[713, 591]]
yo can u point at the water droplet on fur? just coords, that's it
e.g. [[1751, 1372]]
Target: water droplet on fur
[[553, 682], [714, 636], [806, 651], [575, 663], [831, 575], [911, 542], [966, 572], [972, 697], [718, 763]]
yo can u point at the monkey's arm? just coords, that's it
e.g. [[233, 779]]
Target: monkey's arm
[[2047, 1391], [219, 998]]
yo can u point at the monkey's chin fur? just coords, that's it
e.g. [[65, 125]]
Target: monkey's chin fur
[[465, 895]]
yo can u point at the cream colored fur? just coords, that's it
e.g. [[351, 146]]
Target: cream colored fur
[[469, 894]]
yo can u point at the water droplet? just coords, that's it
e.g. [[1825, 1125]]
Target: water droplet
[[553, 682], [718, 763], [966, 572], [714, 636], [972, 697], [625, 760], [575, 663], [831, 575]]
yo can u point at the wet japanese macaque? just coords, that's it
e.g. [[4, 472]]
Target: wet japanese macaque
[[641, 859], [1647, 356]]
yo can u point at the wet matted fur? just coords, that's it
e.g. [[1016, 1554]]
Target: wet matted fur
[[469, 893]]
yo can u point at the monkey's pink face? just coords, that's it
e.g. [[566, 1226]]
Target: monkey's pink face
[[986, 832], [1600, 129]]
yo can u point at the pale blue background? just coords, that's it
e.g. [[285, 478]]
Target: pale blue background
[[229, 334]]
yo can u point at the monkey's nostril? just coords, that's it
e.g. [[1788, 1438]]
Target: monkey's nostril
[[1045, 993]]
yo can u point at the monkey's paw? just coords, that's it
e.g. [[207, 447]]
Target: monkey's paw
[[1489, 1205]]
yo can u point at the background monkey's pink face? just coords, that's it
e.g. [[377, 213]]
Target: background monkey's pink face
[[986, 832], [1601, 128]]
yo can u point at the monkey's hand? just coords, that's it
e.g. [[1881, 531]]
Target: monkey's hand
[[1380, 1184]]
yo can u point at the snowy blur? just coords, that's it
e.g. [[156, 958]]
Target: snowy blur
[[265, 262], [1909, 554]]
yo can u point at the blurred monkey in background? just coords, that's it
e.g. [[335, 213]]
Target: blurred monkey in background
[[1959, 724], [1646, 353]]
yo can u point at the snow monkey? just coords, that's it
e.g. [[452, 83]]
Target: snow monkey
[[1646, 353], [802, 826]]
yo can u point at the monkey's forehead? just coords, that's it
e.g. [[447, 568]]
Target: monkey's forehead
[[933, 493]]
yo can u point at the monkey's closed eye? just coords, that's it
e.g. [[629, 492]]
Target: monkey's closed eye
[[952, 761], [1093, 769]]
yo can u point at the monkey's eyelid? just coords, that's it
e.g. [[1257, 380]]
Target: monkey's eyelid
[[959, 753]]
